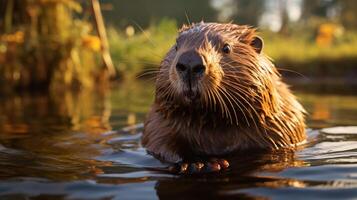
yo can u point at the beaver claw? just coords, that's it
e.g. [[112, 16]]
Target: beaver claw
[[213, 165]]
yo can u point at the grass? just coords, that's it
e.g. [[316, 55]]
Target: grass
[[297, 51], [144, 50]]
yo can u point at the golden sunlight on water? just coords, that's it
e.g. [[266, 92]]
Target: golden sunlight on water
[[85, 144]]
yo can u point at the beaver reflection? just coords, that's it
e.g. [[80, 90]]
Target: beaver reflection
[[247, 169]]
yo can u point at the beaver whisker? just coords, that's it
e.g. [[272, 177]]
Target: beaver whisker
[[223, 105], [215, 98], [229, 64], [146, 73], [239, 104], [148, 80], [167, 92], [170, 93], [249, 63], [236, 89], [211, 97], [292, 71], [237, 69], [205, 99], [187, 18], [238, 65], [145, 34], [229, 98], [240, 93], [151, 69], [236, 101], [230, 102], [242, 79], [240, 86], [240, 90], [242, 69], [147, 63], [206, 96], [237, 81], [249, 104]]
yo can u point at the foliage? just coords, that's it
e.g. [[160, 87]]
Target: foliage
[[299, 50], [143, 50], [302, 52], [48, 46]]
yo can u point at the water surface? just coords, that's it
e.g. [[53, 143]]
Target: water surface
[[86, 145]]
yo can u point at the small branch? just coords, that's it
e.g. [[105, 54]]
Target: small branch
[[8, 16], [103, 38]]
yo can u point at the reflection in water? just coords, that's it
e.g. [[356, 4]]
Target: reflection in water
[[320, 111], [330, 110], [38, 136], [62, 146], [245, 173], [26, 113]]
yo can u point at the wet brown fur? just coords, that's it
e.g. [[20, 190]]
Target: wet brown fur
[[243, 102]]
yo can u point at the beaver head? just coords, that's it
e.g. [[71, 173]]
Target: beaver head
[[219, 68]]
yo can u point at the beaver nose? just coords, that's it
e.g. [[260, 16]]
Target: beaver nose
[[190, 63]]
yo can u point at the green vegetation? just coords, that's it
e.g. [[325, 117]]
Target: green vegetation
[[303, 51], [141, 51], [47, 43]]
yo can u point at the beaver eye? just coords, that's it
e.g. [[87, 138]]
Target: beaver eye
[[226, 48], [176, 47]]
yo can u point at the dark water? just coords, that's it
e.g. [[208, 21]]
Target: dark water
[[62, 146]]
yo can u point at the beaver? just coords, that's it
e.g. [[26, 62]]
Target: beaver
[[218, 93]]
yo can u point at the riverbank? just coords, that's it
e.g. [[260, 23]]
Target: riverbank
[[298, 52]]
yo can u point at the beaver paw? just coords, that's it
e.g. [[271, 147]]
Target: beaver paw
[[213, 165]]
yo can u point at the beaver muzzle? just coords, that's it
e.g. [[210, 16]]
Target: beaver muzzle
[[191, 68]]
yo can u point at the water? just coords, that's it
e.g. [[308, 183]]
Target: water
[[73, 146]]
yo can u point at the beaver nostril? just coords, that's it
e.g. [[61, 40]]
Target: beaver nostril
[[181, 67], [198, 69]]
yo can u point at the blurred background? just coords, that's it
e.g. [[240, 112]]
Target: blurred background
[[73, 71], [57, 54], [59, 42], [316, 38]]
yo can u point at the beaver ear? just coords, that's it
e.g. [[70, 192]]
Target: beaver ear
[[258, 44]]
